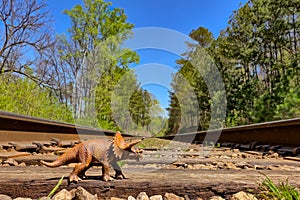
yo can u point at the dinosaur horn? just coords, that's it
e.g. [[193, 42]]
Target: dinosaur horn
[[132, 143]]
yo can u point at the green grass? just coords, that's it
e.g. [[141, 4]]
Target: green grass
[[122, 163], [50, 195], [280, 191], [153, 143]]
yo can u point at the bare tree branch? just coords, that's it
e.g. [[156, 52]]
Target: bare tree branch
[[25, 35]]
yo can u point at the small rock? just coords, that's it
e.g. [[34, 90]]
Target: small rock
[[171, 196], [5, 197], [179, 164], [216, 198], [273, 155], [235, 150], [225, 157], [142, 196], [115, 198], [130, 198], [230, 165], [193, 150], [20, 198], [199, 166], [63, 194], [156, 197], [243, 196], [22, 164], [208, 156], [219, 165], [82, 194], [244, 155], [242, 165], [272, 168], [11, 162], [186, 197], [210, 167], [73, 192], [259, 167], [234, 155]]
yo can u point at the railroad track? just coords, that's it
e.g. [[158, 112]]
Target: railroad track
[[20, 128], [224, 171], [283, 132], [281, 136]]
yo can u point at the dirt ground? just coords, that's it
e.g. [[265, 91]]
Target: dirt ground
[[189, 174], [37, 181]]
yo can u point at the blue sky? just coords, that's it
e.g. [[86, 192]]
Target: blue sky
[[179, 15]]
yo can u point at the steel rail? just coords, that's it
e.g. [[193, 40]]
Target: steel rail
[[14, 124], [282, 132]]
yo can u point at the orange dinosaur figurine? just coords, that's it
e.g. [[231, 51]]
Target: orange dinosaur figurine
[[99, 151]]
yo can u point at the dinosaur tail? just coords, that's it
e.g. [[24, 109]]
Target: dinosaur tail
[[64, 159], [55, 163]]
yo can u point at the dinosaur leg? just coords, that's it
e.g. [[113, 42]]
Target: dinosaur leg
[[80, 168], [118, 170], [105, 173]]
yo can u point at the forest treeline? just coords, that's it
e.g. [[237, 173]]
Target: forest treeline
[[257, 55], [75, 77], [71, 77]]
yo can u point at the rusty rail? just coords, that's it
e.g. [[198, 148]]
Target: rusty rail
[[15, 127], [283, 132]]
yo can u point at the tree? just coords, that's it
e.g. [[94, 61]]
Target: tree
[[25, 35], [203, 36], [130, 108], [174, 115], [258, 56], [93, 50], [23, 96], [195, 109], [113, 97]]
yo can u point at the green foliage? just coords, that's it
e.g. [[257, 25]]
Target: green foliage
[[121, 163], [95, 22], [84, 71], [291, 102], [23, 96], [105, 92], [97, 33], [257, 55], [260, 42], [153, 143], [50, 195], [174, 114], [128, 106], [191, 100], [282, 191], [95, 57], [139, 107], [203, 36]]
